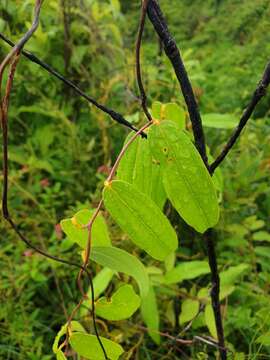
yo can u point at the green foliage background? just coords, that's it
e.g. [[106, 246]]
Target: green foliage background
[[61, 148]]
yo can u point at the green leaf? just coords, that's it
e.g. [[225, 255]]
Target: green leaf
[[220, 121], [88, 346], [102, 280], [150, 315], [187, 271], [100, 283], [60, 355], [210, 320], [186, 180], [261, 236], [170, 111], [138, 167], [189, 310], [264, 339], [75, 326], [230, 276], [122, 304], [121, 261], [139, 217], [74, 229]]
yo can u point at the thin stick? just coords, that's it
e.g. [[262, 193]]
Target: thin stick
[[113, 114], [138, 60], [156, 17], [258, 94], [215, 291]]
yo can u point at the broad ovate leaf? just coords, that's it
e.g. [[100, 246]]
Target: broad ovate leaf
[[140, 218], [187, 270], [186, 180], [75, 229], [88, 347], [138, 167], [122, 305], [150, 314], [121, 261]]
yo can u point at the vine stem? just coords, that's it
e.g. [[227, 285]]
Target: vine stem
[[116, 116], [138, 60]]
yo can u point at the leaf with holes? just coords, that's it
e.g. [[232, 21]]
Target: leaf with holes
[[74, 229], [122, 305], [138, 167], [186, 180], [88, 346], [139, 217]]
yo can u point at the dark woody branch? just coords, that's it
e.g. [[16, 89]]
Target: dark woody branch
[[258, 94], [156, 17], [113, 114]]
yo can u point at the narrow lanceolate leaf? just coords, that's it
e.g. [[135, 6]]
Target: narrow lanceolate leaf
[[122, 305], [138, 167], [140, 218], [75, 229], [88, 346], [150, 314], [186, 180], [121, 261]]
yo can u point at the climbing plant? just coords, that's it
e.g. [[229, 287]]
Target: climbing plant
[[164, 163]]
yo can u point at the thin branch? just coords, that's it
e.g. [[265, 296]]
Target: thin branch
[[258, 94], [113, 114], [215, 291], [138, 60], [156, 17]]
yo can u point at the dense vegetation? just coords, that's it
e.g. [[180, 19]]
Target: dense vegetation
[[61, 150]]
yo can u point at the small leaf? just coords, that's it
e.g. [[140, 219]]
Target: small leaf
[[264, 339], [170, 111], [189, 310], [150, 315], [187, 182], [187, 271], [220, 121], [230, 276], [121, 261], [210, 320], [140, 218], [138, 167], [261, 236], [74, 229], [88, 346], [122, 304]]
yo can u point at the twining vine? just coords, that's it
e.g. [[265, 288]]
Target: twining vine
[[151, 9]]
